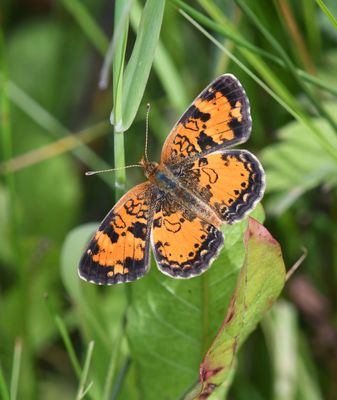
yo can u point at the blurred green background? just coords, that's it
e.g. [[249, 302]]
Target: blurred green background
[[55, 126]]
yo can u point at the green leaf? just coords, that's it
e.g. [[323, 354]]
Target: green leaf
[[139, 65], [171, 323], [260, 282]]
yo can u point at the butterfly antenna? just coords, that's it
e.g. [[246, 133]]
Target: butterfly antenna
[[148, 108], [102, 171]]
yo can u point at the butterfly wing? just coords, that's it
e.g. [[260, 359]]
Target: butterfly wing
[[119, 250], [218, 118], [184, 245], [231, 182]]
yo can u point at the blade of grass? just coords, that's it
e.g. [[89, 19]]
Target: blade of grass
[[280, 330], [82, 390], [292, 105], [118, 67], [224, 27], [274, 43], [170, 78], [29, 380], [308, 384], [55, 128], [316, 82], [112, 364], [164, 67], [327, 12], [65, 337], [120, 378], [87, 23], [68, 345], [62, 328], [4, 392], [7, 152], [54, 149], [16, 369], [139, 65], [311, 26], [242, 66], [118, 30], [291, 28], [288, 103], [119, 151]]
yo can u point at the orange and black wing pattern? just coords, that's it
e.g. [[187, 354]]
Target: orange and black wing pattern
[[231, 182], [184, 245], [119, 250], [199, 184], [218, 118]]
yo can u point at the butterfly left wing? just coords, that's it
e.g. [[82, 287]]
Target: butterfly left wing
[[218, 118], [183, 243], [119, 250]]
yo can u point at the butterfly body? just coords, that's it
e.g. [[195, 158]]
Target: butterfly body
[[199, 184], [171, 190]]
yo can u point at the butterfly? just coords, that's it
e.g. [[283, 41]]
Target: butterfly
[[199, 184]]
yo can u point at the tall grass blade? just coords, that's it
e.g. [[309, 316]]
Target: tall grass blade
[[225, 28], [280, 329], [83, 389], [112, 364], [165, 68], [141, 60], [16, 369], [327, 12], [116, 37], [55, 128], [68, 345], [328, 146], [117, 112], [4, 392], [89, 26]]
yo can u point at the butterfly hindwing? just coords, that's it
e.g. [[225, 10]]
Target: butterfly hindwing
[[184, 245], [218, 118], [119, 250]]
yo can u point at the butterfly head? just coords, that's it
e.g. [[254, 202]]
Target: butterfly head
[[150, 167]]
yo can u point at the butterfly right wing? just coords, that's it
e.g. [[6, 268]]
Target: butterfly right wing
[[119, 250], [217, 119]]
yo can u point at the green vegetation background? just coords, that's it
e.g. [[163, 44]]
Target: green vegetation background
[[59, 335]]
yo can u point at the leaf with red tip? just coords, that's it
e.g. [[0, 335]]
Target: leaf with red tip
[[260, 282]]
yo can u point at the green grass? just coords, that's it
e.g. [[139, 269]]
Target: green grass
[[62, 337]]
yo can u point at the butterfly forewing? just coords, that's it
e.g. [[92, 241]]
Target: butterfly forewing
[[218, 118]]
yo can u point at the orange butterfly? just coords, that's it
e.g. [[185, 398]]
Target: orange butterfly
[[198, 185]]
